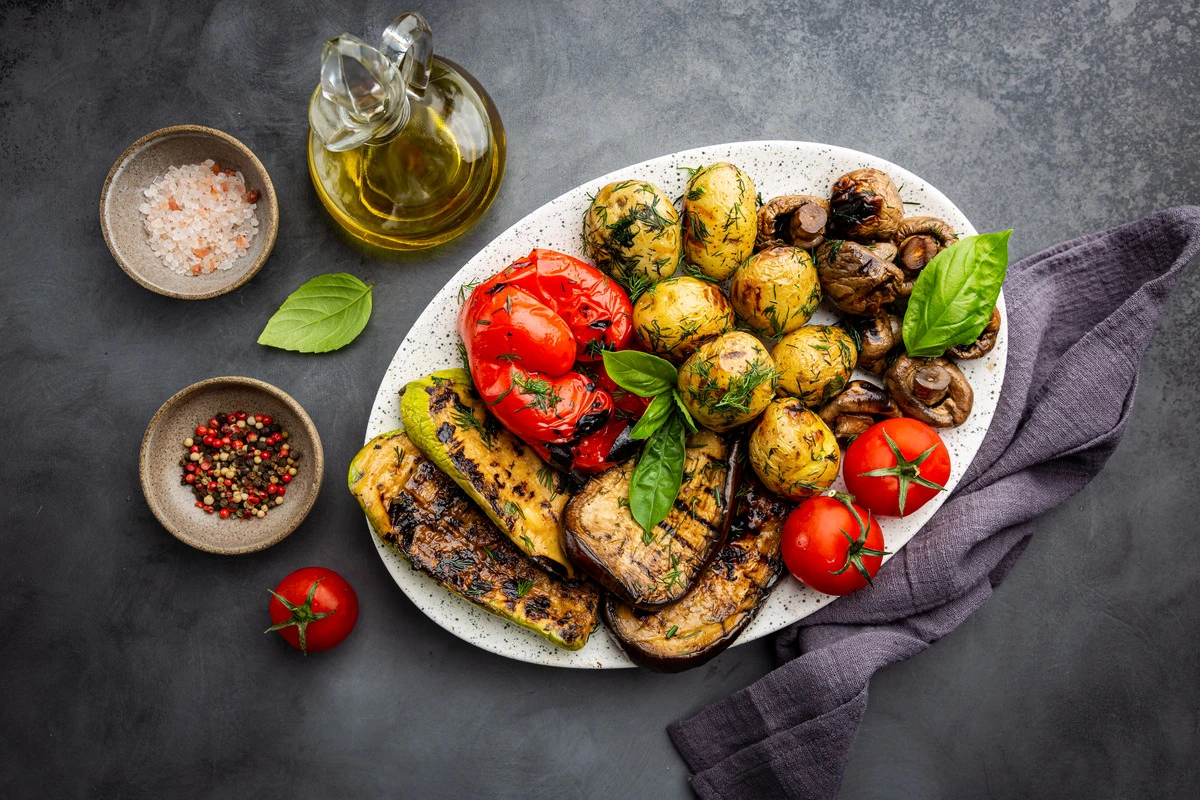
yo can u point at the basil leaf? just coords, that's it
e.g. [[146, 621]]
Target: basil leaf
[[954, 295], [656, 414], [687, 415], [324, 314], [658, 474], [643, 374]]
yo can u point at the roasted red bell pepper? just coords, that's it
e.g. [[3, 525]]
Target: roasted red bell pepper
[[525, 327]]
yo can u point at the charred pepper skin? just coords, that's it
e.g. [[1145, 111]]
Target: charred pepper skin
[[524, 329]]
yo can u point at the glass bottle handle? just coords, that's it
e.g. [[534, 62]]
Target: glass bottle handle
[[408, 43]]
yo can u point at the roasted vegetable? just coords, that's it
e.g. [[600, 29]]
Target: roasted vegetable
[[865, 204], [676, 315], [728, 381], [655, 567], [856, 409], [631, 230], [815, 362], [858, 281], [933, 390], [725, 599], [981, 346], [793, 219], [720, 219], [417, 511], [447, 420], [776, 290], [792, 450]]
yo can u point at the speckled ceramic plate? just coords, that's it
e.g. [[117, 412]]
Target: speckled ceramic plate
[[777, 168]]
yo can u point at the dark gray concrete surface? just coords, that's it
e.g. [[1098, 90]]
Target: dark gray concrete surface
[[134, 666]]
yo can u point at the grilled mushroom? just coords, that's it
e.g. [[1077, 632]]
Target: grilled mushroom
[[857, 280], [857, 408], [921, 238], [932, 390], [865, 204], [981, 346], [884, 250], [795, 219], [878, 337]]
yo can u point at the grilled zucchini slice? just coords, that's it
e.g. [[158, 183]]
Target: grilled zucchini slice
[[656, 567], [725, 599], [421, 514], [524, 496]]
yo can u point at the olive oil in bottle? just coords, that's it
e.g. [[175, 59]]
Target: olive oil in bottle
[[406, 150]]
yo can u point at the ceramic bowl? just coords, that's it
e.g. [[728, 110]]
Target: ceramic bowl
[[145, 161], [174, 504]]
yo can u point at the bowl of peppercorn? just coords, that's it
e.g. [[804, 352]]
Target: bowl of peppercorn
[[231, 465]]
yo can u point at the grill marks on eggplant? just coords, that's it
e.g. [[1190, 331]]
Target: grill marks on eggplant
[[604, 540], [419, 512], [725, 599], [450, 423]]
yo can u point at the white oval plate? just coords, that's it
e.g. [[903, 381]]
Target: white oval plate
[[777, 167]]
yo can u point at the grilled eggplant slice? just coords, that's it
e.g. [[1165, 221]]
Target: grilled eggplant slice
[[725, 599], [421, 514], [651, 569], [449, 422]]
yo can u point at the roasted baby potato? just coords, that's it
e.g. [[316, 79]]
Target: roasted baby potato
[[815, 363], [631, 230], [720, 219], [728, 382], [675, 316], [792, 450], [776, 290]]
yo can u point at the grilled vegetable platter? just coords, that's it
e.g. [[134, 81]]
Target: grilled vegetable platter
[[593, 447]]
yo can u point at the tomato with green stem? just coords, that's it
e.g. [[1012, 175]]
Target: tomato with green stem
[[896, 466], [314, 609], [832, 545]]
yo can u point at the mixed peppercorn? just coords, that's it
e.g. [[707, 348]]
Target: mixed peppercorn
[[238, 465]]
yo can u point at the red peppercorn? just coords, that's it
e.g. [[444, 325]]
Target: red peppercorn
[[228, 482], [224, 513], [258, 417], [190, 467], [205, 464], [212, 423], [252, 500], [241, 415], [252, 437], [265, 454], [199, 504], [226, 440], [286, 479], [282, 491], [267, 420], [272, 489], [208, 509], [190, 478], [201, 430], [194, 448]]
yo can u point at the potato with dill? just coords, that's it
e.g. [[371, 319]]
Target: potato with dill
[[793, 451], [720, 219], [676, 315], [815, 362], [728, 382], [776, 290], [631, 230]]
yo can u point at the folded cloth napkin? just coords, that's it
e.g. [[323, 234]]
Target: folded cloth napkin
[[1079, 318]]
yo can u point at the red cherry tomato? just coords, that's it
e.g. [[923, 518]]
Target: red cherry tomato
[[832, 545], [314, 609], [896, 466]]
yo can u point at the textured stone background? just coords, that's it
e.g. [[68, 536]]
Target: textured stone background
[[135, 666]]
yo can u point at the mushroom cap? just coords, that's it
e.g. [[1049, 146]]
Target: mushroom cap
[[933, 390], [878, 337], [798, 219], [856, 280], [981, 346], [865, 204], [857, 408], [921, 238]]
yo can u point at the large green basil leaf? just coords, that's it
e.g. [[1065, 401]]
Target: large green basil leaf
[[643, 374], [954, 295], [658, 475], [324, 314]]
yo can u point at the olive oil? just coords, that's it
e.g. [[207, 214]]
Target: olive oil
[[422, 166]]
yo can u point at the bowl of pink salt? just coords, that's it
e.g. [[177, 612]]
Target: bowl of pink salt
[[189, 212]]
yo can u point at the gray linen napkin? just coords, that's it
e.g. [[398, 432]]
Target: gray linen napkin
[[1079, 318]]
